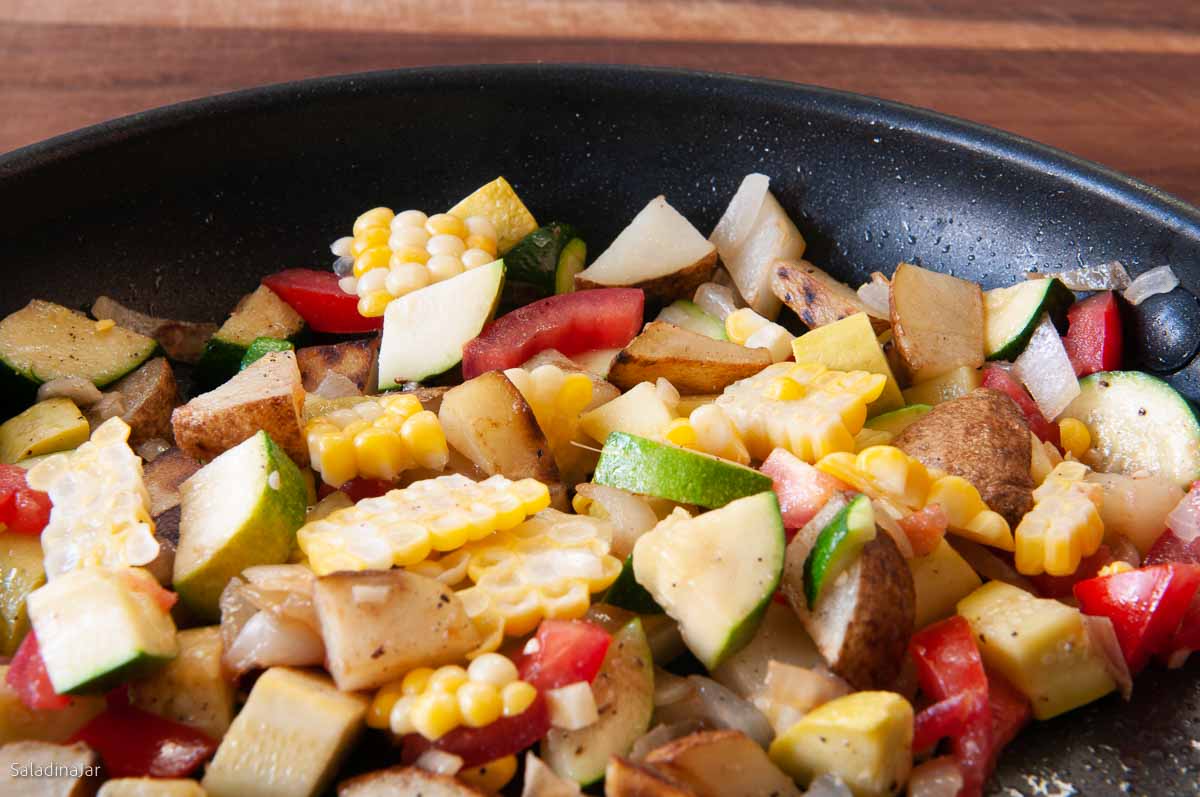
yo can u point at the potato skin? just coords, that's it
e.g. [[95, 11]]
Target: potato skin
[[693, 363], [401, 780], [982, 437], [669, 287], [353, 359], [874, 601], [624, 778], [815, 296], [150, 393]]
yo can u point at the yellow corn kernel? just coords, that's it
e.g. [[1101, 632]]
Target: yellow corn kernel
[[482, 242], [426, 442], [784, 389], [1064, 525], [1075, 437], [105, 324], [447, 679], [494, 669], [380, 711], [479, 704], [375, 217], [403, 404], [336, 459], [574, 394], [1113, 568], [581, 504], [416, 681], [408, 254], [371, 259], [379, 454], [680, 432], [516, 697], [370, 238], [434, 714], [534, 495], [492, 776], [373, 305], [897, 474], [741, 324], [445, 224]]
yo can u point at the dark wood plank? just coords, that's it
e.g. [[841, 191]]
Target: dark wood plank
[[1136, 112]]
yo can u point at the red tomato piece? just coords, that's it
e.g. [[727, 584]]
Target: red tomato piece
[[801, 489], [942, 720], [997, 378], [567, 651], [22, 509], [137, 744], [1011, 711], [323, 305], [603, 318], [925, 529], [476, 746], [1146, 606], [28, 677], [1049, 586], [949, 664], [1093, 339], [1170, 547]]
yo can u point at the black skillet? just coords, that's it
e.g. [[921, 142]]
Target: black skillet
[[180, 210]]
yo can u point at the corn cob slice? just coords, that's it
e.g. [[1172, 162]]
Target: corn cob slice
[[100, 516], [558, 399], [403, 527], [1064, 525]]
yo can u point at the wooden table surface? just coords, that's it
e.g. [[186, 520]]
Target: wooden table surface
[[1116, 81]]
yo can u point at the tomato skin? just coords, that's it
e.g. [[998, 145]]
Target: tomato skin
[[477, 746], [801, 489], [997, 378], [602, 318], [1146, 606], [320, 301], [949, 665], [1011, 711], [28, 677], [23, 510], [568, 651], [941, 720], [925, 529], [1093, 340], [134, 743]]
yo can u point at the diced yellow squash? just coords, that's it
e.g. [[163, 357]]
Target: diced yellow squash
[[850, 345], [640, 411], [1039, 645], [191, 689], [499, 204], [941, 579], [21, 572], [18, 723], [52, 425], [864, 738], [950, 385]]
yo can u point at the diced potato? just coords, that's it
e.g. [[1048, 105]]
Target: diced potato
[[397, 781], [18, 723], [712, 763], [938, 321], [52, 425], [266, 396], [818, 298], [624, 778], [409, 621], [864, 738], [181, 340], [849, 344], [74, 770], [639, 411], [488, 420], [940, 579], [354, 359], [691, 362], [947, 387], [150, 394], [190, 689], [772, 237], [1039, 645], [151, 787]]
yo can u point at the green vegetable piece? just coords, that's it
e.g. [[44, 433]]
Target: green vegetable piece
[[837, 546], [261, 347]]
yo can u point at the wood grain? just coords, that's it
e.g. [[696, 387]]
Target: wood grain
[[1108, 80]]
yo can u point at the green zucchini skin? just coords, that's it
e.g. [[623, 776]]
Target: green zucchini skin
[[1056, 300]]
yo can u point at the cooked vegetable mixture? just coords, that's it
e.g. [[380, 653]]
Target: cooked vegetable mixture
[[695, 519]]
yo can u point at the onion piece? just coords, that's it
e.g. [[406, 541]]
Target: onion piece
[[789, 692], [716, 300], [267, 640], [1046, 370], [886, 520], [1110, 276], [336, 385], [236, 610], [1103, 639], [670, 688], [152, 448], [876, 297], [541, 781], [1184, 519], [718, 707], [110, 405], [439, 762], [828, 785], [739, 217], [1139, 509], [630, 515], [1151, 283], [76, 388], [937, 777], [660, 735], [988, 565]]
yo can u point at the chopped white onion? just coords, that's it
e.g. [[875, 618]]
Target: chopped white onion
[[1137, 510], [828, 786], [270, 641], [1110, 276], [937, 777], [1151, 283], [630, 515], [716, 300], [439, 762], [1046, 370], [336, 385], [1184, 519], [660, 735], [876, 296], [670, 688], [718, 707], [789, 692], [1103, 639], [886, 520], [541, 781], [666, 392], [572, 707], [775, 339], [738, 219], [76, 388]]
